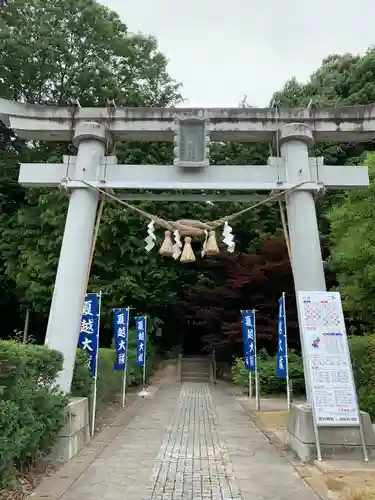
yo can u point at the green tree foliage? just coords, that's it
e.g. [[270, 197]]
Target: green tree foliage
[[51, 52], [353, 250], [345, 80], [329, 85], [341, 80], [81, 49]]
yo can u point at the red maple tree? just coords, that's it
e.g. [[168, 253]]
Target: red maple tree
[[244, 281]]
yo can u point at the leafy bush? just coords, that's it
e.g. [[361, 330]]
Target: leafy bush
[[81, 383], [109, 382], [174, 352], [362, 351], [268, 382], [31, 410]]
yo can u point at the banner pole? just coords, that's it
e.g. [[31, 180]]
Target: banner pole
[[250, 374], [93, 410], [126, 363], [144, 359], [257, 396], [124, 385], [286, 357], [95, 385], [144, 371]]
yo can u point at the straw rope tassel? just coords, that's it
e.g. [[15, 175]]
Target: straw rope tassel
[[166, 250], [187, 252], [211, 247]]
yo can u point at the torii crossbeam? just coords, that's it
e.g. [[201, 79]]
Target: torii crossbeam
[[191, 130]]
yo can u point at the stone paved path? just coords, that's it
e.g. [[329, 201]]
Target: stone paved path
[[191, 442]]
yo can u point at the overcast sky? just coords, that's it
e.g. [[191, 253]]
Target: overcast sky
[[223, 49]]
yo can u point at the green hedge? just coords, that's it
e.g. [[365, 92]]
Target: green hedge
[[268, 382], [362, 352], [109, 382], [31, 411]]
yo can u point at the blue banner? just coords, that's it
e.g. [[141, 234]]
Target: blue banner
[[121, 331], [88, 339], [281, 358], [141, 337], [249, 340]]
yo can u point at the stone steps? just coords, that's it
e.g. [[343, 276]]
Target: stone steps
[[195, 369]]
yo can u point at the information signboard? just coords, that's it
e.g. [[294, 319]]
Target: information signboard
[[327, 357]]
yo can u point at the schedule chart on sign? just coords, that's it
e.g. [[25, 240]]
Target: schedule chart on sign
[[321, 313], [328, 360]]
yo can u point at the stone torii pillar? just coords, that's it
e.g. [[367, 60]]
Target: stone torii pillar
[[71, 277], [306, 255], [307, 263]]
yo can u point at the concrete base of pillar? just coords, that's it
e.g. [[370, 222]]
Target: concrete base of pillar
[[335, 442], [76, 432]]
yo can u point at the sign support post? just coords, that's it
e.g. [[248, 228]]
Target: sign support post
[[361, 432]]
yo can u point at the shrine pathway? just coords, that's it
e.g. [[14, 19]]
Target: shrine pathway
[[190, 442]]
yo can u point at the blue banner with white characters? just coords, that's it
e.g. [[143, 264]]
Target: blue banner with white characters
[[88, 339], [121, 331], [249, 339], [141, 337], [281, 358]]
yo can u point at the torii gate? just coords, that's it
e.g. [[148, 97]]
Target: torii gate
[[191, 130]]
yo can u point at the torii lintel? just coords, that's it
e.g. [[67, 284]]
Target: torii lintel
[[40, 122], [269, 177]]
